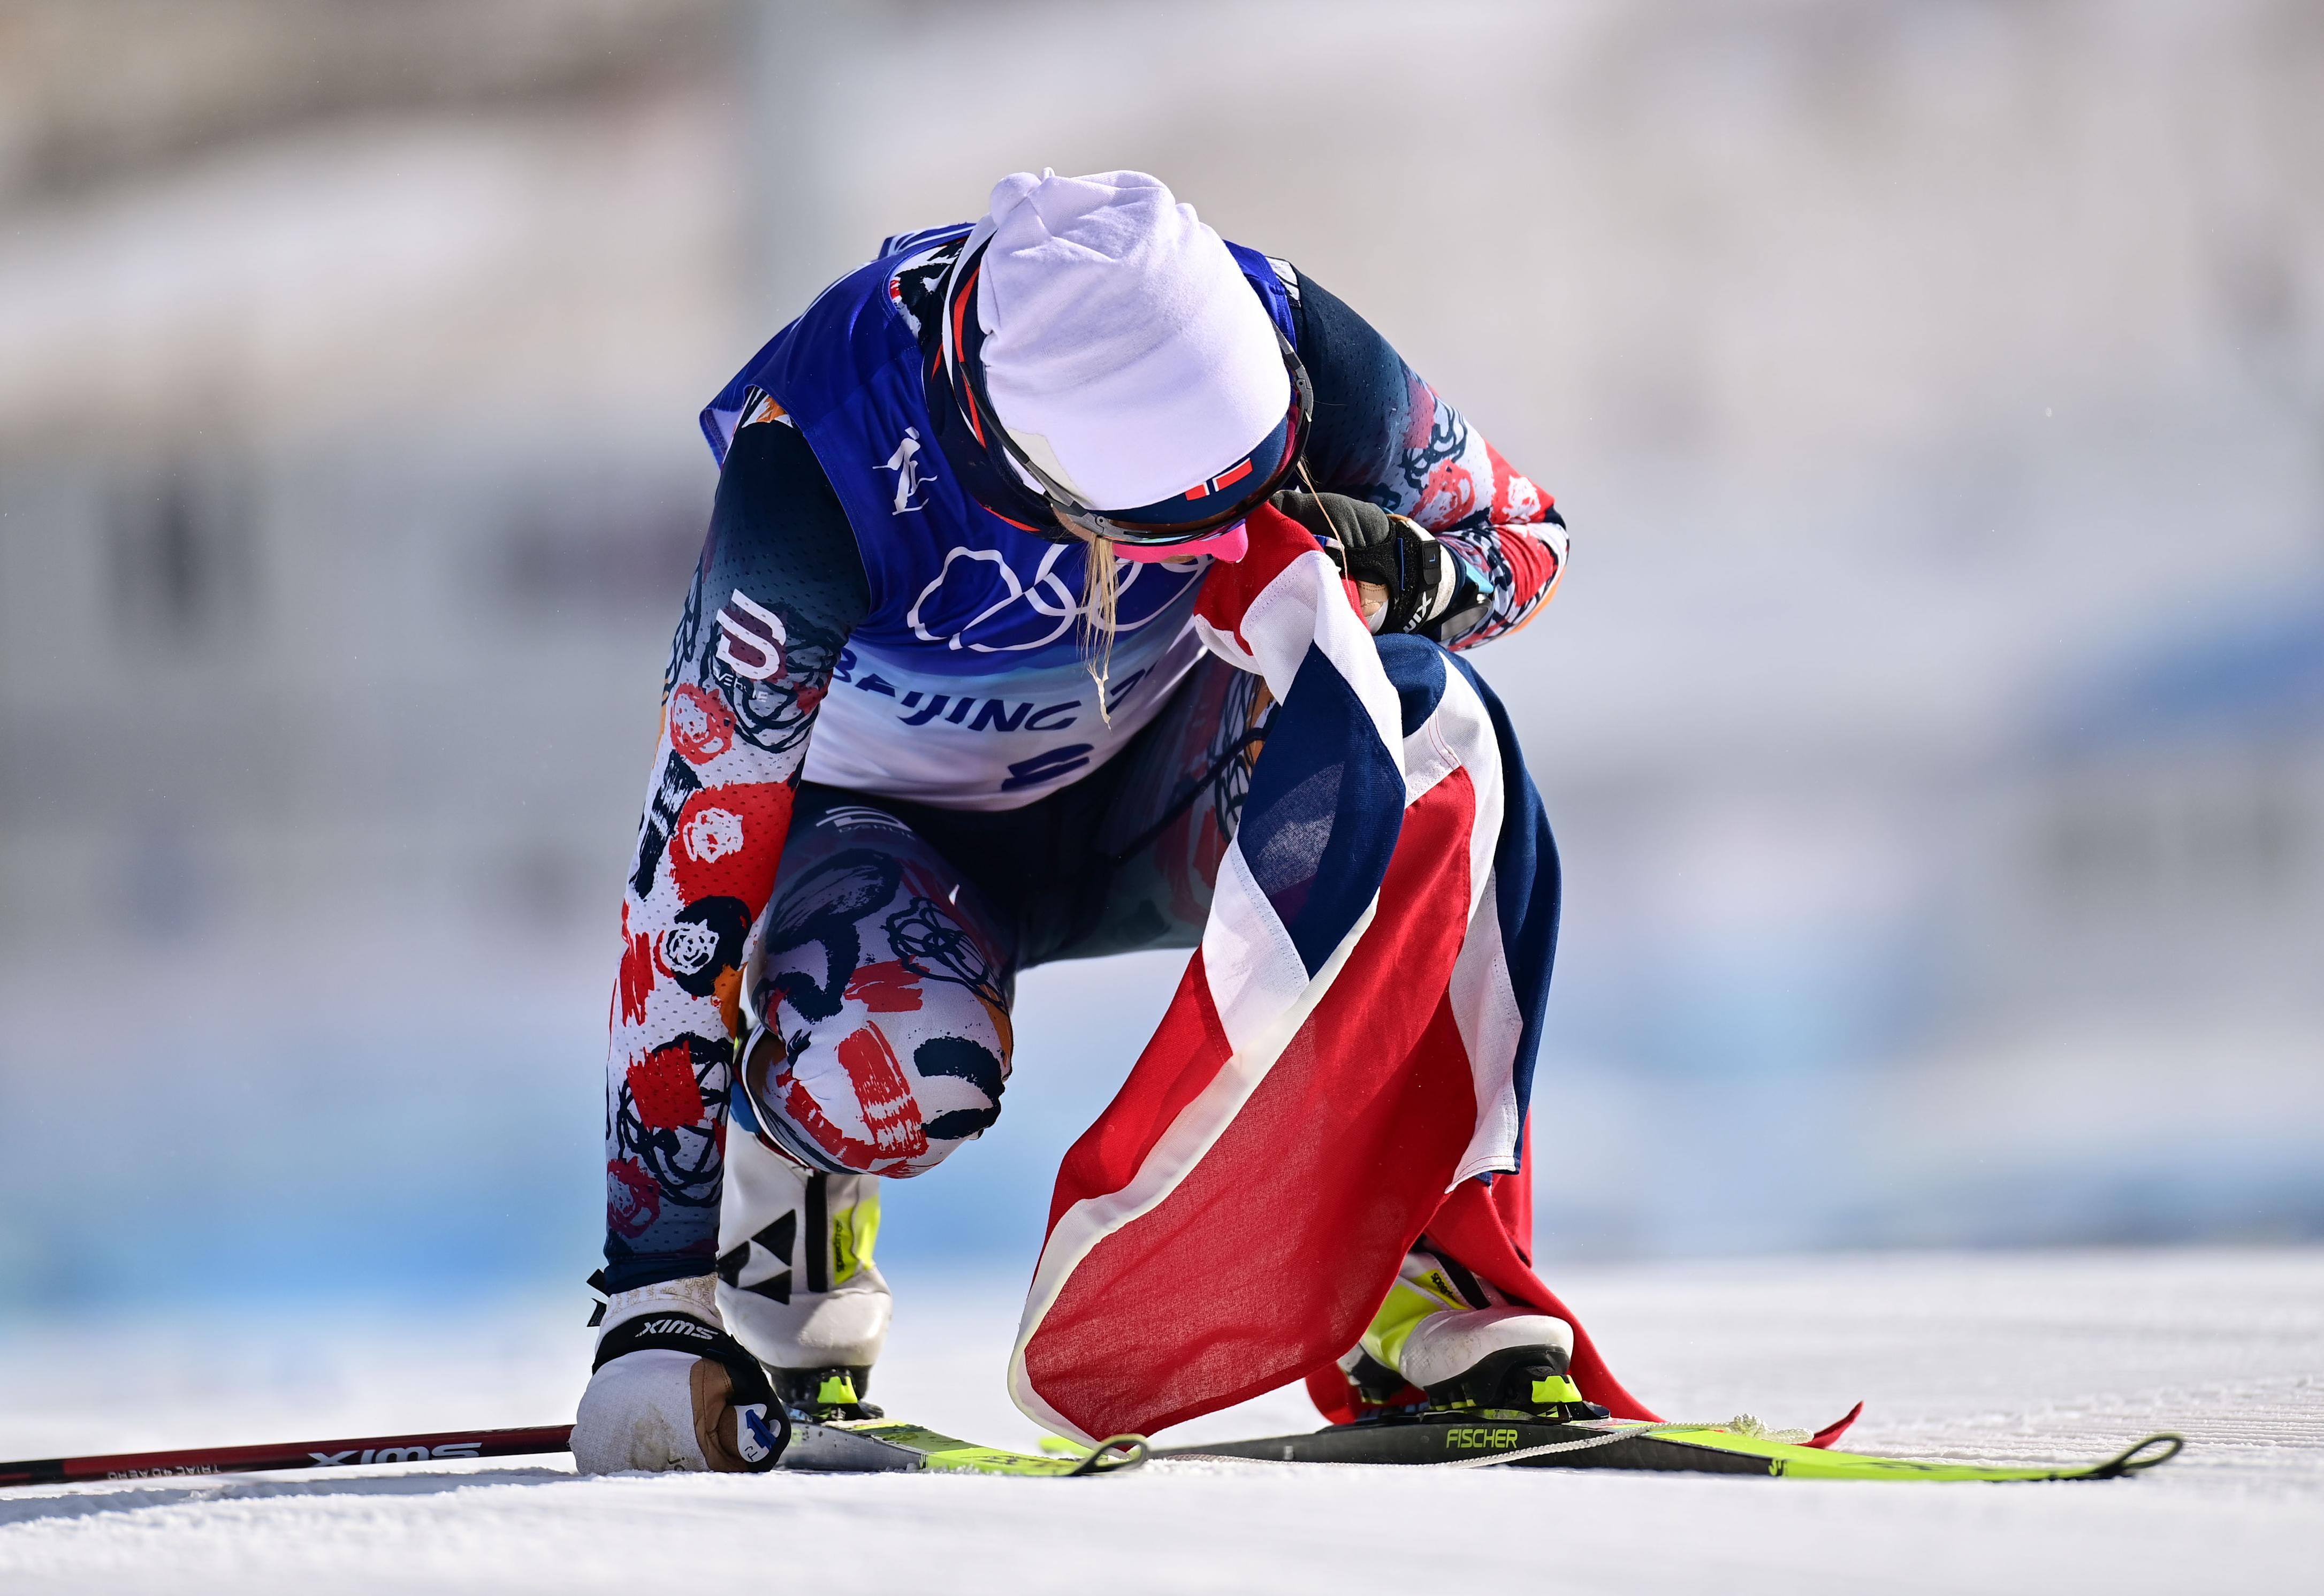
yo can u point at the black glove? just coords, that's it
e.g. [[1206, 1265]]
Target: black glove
[[1370, 545]]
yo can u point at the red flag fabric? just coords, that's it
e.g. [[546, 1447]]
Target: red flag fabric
[[1349, 1049]]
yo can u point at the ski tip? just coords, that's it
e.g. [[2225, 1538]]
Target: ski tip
[[1113, 1454], [2153, 1451], [1836, 1429]]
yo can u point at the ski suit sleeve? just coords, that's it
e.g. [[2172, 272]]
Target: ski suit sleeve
[[779, 588], [1384, 435]]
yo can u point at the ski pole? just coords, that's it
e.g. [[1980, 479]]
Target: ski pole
[[290, 1454]]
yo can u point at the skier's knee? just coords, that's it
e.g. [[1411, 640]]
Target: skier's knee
[[893, 1096], [883, 1036]]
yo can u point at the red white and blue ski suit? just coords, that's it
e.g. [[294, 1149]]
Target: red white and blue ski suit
[[886, 783]]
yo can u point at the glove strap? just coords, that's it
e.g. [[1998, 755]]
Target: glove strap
[[1426, 579]]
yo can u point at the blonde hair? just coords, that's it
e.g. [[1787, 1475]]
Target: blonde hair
[[1101, 595]]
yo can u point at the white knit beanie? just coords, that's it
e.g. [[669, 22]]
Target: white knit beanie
[[1124, 350]]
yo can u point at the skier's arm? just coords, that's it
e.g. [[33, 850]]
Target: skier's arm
[[779, 588], [1383, 435]]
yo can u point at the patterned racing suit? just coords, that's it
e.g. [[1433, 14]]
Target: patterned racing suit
[[817, 978]]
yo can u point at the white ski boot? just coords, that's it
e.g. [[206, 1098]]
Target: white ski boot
[[1465, 1347], [797, 1285]]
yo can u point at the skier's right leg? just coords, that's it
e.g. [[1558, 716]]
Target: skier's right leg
[[797, 1283], [878, 987]]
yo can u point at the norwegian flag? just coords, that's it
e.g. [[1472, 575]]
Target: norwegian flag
[[1350, 1046]]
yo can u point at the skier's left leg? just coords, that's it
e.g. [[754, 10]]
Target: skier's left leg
[[1461, 1343], [1443, 1332], [1173, 799]]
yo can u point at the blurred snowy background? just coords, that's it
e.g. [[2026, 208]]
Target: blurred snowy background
[[1933, 720]]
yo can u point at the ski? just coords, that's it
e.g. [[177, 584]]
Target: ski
[[887, 1447], [1449, 1441], [849, 1447]]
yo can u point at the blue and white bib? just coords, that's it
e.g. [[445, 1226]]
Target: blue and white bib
[[966, 686]]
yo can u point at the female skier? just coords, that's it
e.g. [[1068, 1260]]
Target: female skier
[[986, 639]]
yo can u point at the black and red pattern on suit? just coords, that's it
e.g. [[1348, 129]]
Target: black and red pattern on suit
[[777, 590]]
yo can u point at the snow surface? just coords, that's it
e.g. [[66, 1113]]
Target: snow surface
[[2003, 1358]]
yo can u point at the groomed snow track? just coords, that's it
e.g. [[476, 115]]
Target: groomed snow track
[[1994, 1359]]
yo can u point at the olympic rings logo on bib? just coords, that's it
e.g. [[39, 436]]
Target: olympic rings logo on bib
[[1047, 600]]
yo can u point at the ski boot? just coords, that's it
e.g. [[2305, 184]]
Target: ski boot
[[797, 1285], [1471, 1353], [822, 1396]]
